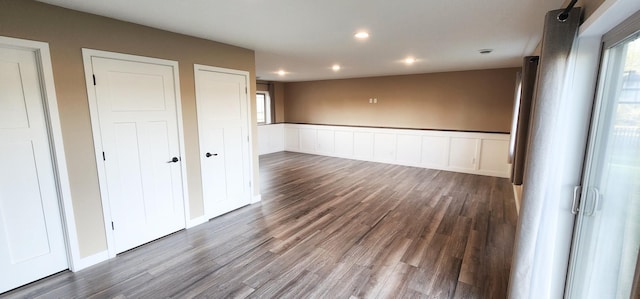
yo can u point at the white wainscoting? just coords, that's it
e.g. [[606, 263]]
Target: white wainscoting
[[270, 138], [468, 152]]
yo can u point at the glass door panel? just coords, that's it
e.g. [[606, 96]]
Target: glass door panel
[[607, 235]]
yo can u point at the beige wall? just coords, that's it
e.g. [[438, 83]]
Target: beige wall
[[262, 86], [277, 97], [67, 32], [470, 100]]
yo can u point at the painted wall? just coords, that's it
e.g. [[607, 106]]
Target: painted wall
[[67, 32], [262, 86], [479, 100], [277, 96]]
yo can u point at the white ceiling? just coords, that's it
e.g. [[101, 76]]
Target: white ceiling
[[305, 38]]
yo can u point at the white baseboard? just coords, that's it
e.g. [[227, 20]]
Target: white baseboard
[[256, 198], [89, 261]]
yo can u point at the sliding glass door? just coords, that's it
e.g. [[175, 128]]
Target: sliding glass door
[[607, 235]]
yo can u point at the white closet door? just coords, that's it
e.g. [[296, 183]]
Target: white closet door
[[138, 125], [223, 120], [31, 238]]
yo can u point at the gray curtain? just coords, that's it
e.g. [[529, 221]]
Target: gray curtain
[[543, 235], [529, 72], [272, 103]]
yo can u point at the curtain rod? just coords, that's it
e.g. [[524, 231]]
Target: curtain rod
[[564, 15]]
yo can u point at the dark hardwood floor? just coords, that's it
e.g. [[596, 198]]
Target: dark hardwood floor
[[326, 228]]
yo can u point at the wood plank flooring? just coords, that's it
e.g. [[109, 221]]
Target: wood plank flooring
[[326, 228]]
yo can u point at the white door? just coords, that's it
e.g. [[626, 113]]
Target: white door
[[223, 118], [136, 103], [31, 238]]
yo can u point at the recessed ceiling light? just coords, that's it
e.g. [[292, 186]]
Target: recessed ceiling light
[[282, 72], [335, 67], [409, 60], [362, 35], [485, 51]]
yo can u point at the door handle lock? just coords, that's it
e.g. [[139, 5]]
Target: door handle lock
[[173, 160], [209, 155], [575, 205]]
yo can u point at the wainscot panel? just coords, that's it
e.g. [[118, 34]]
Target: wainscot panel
[[468, 152], [271, 138]]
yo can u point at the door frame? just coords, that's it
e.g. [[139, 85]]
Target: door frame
[[56, 144], [250, 99], [87, 54]]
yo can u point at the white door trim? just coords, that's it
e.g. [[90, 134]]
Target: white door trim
[[50, 103], [87, 54], [250, 126]]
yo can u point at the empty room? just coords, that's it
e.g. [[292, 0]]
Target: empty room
[[306, 149]]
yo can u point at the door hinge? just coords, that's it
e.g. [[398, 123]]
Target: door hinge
[[104, 158], [112, 227], [575, 205], [94, 80], [246, 90], [249, 184]]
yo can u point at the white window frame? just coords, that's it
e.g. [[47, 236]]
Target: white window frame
[[267, 108]]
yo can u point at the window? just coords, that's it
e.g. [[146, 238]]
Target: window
[[263, 108]]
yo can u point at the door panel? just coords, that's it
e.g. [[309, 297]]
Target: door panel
[[138, 126], [147, 96], [607, 235], [31, 238], [159, 175], [125, 186], [13, 114], [235, 163], [226, 98], [26, 214], [215, 191], [224, 145]]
